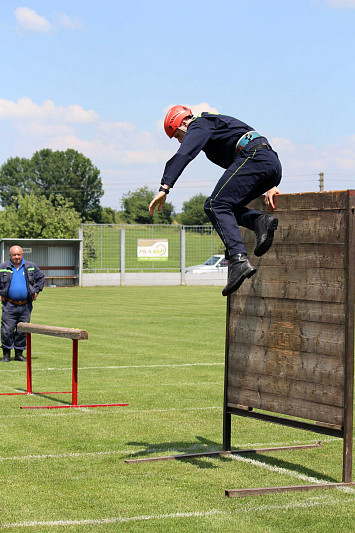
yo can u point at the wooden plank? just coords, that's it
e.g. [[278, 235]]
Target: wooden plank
[[244, 359], [309, 337], [268, 401], [300, 255], [324, 312], [55, 331], [317, 201], [307, 227], [320, 285], [287, 388]]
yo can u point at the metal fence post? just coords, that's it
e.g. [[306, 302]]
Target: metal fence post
[[182, 255], [122, 255], [101, 244], [81, 237]]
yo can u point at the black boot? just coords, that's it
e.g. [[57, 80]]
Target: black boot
[[6, 355], [240, 269], [19, 356], [264, 227]]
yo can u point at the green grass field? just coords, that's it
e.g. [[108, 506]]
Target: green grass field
[[162, 351]]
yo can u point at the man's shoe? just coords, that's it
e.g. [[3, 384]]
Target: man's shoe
[[240, 269], [19, 356], [264, 227], [6, 355]]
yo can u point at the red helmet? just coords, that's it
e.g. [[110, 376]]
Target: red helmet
[[174, 117]]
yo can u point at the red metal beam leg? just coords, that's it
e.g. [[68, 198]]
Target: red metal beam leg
[[29, 363], [75, 373]]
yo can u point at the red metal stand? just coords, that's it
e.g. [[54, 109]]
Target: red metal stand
[[73, 392]]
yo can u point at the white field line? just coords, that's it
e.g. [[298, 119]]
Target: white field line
[[115, 367], [132, 385], [285, 471], [5, 387], [320, 501], [192, 449], [119, 519], [120, 410]]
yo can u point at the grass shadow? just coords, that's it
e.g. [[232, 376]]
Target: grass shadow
[[177, 448], [46, 396], [203, 445], [297, 468]]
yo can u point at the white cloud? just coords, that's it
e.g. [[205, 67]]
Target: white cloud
[[69, 23], [25, 109], [123, 150], [199, 108], [195, 108], [129, 158], [302, 164], [28, 19], [59, 128], [307, 157]]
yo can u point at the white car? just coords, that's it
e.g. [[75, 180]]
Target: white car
[[216, 263]]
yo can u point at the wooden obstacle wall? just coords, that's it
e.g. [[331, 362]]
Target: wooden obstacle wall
[[290, 328]]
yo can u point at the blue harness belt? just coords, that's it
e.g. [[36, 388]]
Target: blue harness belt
[[245, 139]]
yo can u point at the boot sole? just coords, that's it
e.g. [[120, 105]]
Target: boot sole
[[247, 274], [266, 245]]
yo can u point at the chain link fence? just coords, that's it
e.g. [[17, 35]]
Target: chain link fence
[[108, 247]]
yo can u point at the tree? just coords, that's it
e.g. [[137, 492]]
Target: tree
[[193, 213], [69, 174], [135, 205], [90, 246], [107, 215], [37, 217]]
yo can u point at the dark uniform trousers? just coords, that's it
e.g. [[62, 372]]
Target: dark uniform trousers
[[11, 315], [254, 171]]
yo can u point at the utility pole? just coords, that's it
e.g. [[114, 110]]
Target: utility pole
[[321, 181]]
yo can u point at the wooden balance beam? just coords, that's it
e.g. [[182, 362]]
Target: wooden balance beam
[[55, 331]]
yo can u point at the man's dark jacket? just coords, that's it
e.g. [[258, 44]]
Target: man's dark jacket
[[34, 278]]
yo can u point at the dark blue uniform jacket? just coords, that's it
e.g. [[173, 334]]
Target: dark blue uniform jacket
[[216, 135], [34, 278]]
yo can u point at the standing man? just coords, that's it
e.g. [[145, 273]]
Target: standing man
[[252, 169], [20, 283]]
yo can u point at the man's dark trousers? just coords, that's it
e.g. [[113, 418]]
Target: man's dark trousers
[[253, 172], [12, 314]]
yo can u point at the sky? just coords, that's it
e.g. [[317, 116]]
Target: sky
[[99, 77]]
